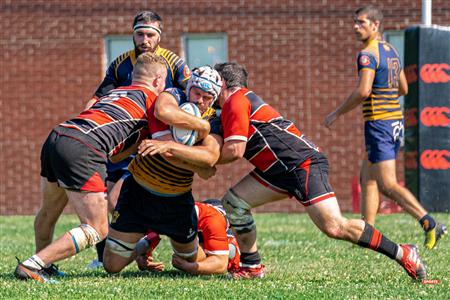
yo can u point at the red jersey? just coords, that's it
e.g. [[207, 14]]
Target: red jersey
[[214, 233], [118, 120], [274, 144]]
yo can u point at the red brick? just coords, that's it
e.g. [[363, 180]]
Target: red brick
[[300, 56]]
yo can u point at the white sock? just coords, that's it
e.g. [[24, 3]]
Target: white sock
[[34, 262], [399, 254]]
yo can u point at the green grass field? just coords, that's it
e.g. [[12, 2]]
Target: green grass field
[[301, 263]]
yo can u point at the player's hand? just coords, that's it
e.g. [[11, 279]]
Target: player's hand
[[183, 265], [206, 173], [153, 147], [329, 120], [146, 263]]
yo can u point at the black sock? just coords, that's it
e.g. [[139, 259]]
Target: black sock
[[427, 223], [250, 259], [100, 248], [373, 239]]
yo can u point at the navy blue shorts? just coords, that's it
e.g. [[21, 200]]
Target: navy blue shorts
[[308, 183], [139, 210], [383, 139], [118, 170]]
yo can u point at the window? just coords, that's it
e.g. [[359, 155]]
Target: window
[[397, 39], [116, 45], [205, 49]]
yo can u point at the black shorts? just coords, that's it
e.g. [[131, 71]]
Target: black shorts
[[69, 158], [308, 183], [139, 210]]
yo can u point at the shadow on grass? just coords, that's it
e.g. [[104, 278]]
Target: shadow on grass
[[140, 274], [8, 276]]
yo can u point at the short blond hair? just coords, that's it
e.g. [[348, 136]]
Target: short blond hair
[[149, 65]]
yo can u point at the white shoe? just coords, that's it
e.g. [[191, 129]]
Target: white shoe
[[94, 265]]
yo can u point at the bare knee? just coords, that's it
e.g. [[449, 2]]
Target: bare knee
[[387, 188], [102, 231], [110, 267]]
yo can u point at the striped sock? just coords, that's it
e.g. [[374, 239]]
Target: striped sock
[[373, 239], [251, 260]]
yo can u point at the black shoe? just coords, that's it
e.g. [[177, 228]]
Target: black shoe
[[53, 271]]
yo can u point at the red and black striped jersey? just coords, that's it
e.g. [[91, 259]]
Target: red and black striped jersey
[[274, 144], [118, 120]]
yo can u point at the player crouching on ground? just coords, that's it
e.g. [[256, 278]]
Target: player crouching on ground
[[158, 195], [215, 237]]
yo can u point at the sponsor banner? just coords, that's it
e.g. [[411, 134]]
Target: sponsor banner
[[427, 116]]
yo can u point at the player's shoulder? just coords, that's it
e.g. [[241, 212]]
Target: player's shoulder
[[168, 55], [124, 57], [388, 48], [178, 94]]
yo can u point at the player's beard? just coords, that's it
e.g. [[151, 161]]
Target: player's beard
[[139, 52]]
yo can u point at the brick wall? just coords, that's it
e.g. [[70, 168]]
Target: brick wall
[[300, 56]]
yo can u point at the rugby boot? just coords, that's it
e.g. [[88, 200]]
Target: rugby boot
[[53, 271], [23, 272], [412, 263], [434, 235], [94, 265], [248, 272]]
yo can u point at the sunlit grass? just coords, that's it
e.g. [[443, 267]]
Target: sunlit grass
[[301, 263]]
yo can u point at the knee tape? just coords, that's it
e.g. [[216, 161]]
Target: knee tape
[[238, 212], [84, 236], [120, 247], [184, 254]]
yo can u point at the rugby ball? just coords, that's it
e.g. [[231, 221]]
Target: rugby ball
[[186, 136]]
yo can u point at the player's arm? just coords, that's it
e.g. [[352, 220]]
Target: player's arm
[[231, 151], [110, 82], [212, 264], [124, 154], [204, 155], [403, 84], [168, 111], [356, 97]]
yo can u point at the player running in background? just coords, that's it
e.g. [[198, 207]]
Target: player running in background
[[158, 195], [73, 165], [215, 238], [381, 82], [147, 31], [287, 164]]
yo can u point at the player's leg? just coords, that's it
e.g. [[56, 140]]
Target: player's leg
[[113, 188], [120, 250], [91, 210], [53, 202], [385, 174], [383, 140], [370, 200], [327, 217], [238, 202]]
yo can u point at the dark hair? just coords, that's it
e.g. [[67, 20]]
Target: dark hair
[[234, 74], [148, 16], [373, 14]]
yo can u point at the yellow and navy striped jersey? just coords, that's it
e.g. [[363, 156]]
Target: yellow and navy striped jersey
[[120, 71], [159, 176], [381, 58]]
